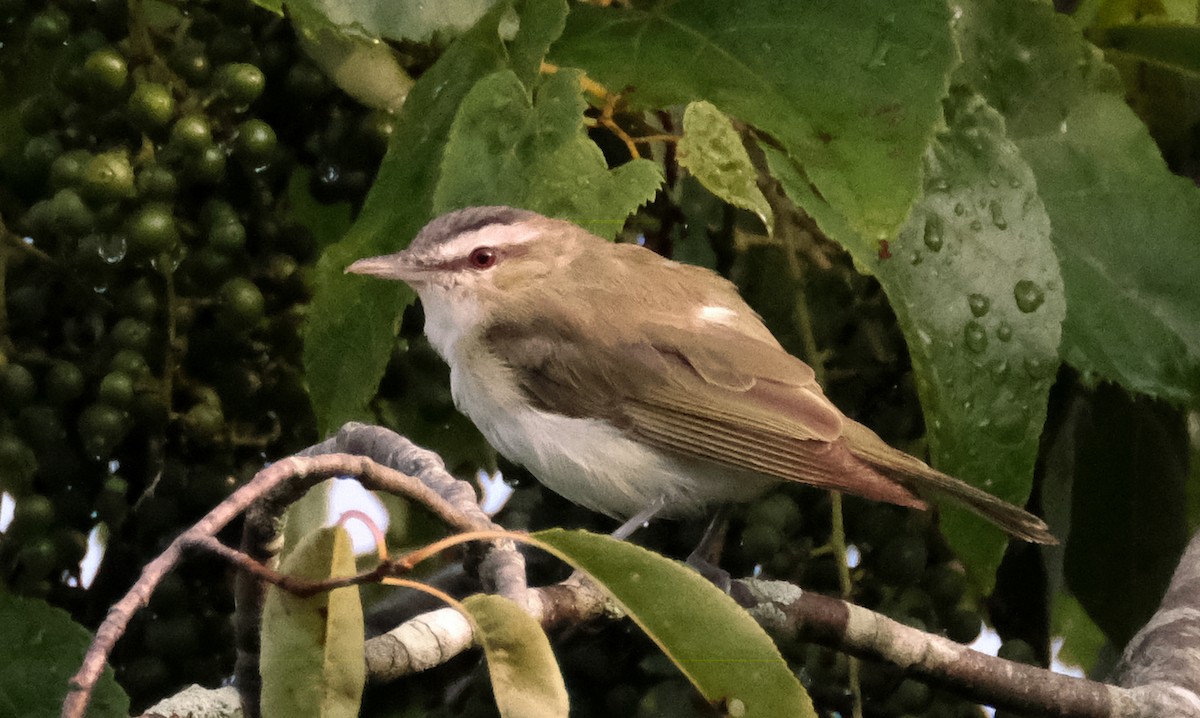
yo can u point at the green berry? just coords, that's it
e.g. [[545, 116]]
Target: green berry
[[761, 541], [777, 510], [131, 362], [155, 182], [130, 333], [204, 422], [241, 82], [189, 60], [40, 152], [108, 177], [255, 140], [945, 584], [17, 464], [41, 113], [116, 388], [227, 236], [1019, 651], [33, 515], [151, 105], [901, 561], [69, 214], [242, 304], [49, 27], [64, 382], [17, 386], [105, 70], [962, 625], [152, 230], [68, 168], [102, 427], [192, 133], [140, 300], [38, 557], [208, 167]]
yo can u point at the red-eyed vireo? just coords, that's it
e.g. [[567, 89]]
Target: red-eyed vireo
[[624, 380]]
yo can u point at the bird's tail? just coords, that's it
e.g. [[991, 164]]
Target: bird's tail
[[923, 479]]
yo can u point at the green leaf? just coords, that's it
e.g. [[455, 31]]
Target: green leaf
[[1129, 524], [525, 677], [1124, 226], [717, 645], [1175, 47], [976, 288], [351, 325], [851, 90], [711, 149], [365, 69], [43, 648], [312, 648], [415, 20], [506, 149]]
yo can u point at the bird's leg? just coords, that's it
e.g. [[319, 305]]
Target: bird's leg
[[707, 554], [639, 519]]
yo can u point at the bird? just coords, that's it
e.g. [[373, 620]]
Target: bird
[[635, 385]]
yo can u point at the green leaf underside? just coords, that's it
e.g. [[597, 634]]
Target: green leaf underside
[[414, 20], [1175, 47], [312, 648], [1124, 226], [43, 648], [525, 677], [351, 324], [711, 149], [851, 90], [505, 149], [717, 645], [975, 285], [1128, 506]]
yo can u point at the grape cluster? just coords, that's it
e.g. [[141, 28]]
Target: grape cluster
[[153, 283]]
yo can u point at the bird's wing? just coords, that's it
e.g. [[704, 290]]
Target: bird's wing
[[738, 401]]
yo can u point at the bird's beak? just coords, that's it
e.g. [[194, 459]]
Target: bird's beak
[[389, 266]]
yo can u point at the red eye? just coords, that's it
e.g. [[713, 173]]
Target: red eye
[[482, 257]]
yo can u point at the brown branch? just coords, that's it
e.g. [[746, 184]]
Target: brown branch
[[114, 625]]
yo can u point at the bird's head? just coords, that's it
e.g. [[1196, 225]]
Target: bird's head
[[471, 265]]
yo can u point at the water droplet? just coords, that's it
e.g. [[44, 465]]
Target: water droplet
[[1014, 182], [1062, 128], [1036, 368], [976, 225], [975, 336], [937, 184], [959, 209], [1000, 368], [1004, 331], [993, 182], [1029, 296], [997, 214], [111, 248], [979, 304], [916, 258], [933, 232]]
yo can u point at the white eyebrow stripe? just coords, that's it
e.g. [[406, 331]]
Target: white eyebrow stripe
[[493, 235], [715, 314]]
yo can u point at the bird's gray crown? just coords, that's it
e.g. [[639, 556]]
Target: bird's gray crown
[[459, 222]]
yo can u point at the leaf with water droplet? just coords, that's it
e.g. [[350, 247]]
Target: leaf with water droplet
[[979, 304], [933, 232], [1028, 295], [975, 336], [970, 397]]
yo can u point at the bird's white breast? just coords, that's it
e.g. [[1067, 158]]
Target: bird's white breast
[[586, 460]]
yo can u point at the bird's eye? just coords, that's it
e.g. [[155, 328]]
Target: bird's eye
[[482, 257]]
